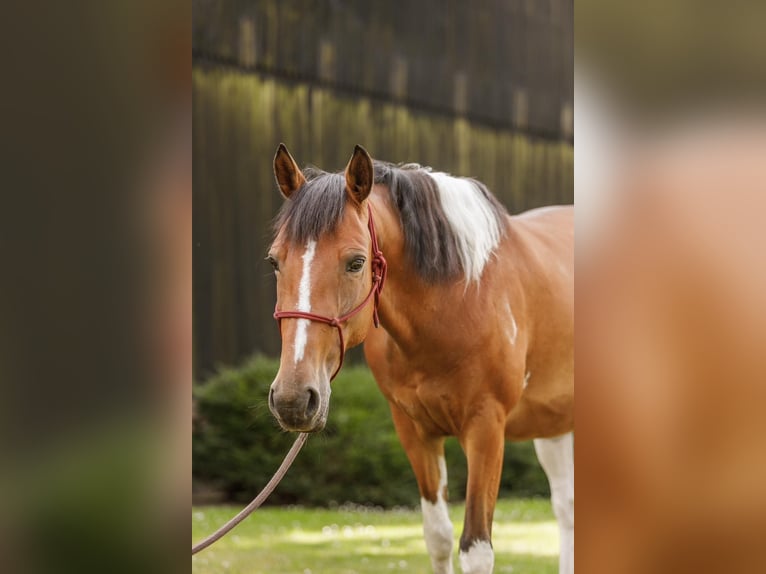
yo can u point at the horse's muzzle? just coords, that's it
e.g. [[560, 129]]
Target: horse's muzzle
[[300, 411]]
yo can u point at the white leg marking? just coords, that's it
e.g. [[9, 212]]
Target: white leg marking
[[556, 456], [478, 559], [526, 379], [304, 300], [437, 528]]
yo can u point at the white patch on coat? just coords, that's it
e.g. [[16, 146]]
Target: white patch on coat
[[526, 379], [437, 528], [478, 559], [304, 300], [472, 219], [514, 327]]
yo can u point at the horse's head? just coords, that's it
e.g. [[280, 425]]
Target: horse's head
[[323, 258]]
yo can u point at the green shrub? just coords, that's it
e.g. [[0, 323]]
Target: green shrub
[[357, 458]]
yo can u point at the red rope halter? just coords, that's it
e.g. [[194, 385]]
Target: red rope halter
[[379, 268]]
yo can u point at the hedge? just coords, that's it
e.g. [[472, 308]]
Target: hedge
[[237, 445]]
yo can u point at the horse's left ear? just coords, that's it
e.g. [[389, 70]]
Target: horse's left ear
[[359, 175]]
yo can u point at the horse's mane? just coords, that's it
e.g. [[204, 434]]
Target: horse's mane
[[451, 225], [314, 209]]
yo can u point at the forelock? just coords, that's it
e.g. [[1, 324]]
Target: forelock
[[315, 208]]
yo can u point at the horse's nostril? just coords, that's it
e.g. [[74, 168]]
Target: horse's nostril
[[313, 404], [271, 398]]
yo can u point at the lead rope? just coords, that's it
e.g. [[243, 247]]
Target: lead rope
[[258, 500]]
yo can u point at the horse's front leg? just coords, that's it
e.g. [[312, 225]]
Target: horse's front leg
[[483, 442], [426, 455]]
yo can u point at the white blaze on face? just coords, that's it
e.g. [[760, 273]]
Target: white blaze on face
[[304, 300], [478, 559], [437, 527]]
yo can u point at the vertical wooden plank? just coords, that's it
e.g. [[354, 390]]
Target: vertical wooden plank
[[201, 113]]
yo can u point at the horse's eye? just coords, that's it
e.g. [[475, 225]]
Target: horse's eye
[[355, 265], [273, 262]]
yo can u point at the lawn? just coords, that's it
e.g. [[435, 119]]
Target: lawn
[[360, 540]]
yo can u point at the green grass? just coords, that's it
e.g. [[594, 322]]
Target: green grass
[[362, 540]]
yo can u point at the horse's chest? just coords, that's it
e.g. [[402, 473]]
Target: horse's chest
[[429, 404], [432, 398]]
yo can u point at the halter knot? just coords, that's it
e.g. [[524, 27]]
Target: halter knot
[[379, 267]]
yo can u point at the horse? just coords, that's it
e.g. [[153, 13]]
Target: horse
[[475, 309]]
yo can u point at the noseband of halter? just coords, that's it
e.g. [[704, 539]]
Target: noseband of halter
[[379, 268]]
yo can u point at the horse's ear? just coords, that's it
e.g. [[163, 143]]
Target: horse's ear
[[359, 175], [289, 175]]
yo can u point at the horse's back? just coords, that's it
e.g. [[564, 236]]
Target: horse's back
[[548, 212], [550, 221]]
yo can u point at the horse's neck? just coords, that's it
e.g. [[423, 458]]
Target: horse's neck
[[411, 310]]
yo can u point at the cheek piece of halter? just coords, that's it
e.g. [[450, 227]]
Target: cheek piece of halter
[[379, 268]]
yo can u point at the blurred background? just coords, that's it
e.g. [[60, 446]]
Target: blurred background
[[671, 276], [481, 89]]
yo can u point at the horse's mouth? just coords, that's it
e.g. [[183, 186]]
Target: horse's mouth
[[310, 427], [297, 422]]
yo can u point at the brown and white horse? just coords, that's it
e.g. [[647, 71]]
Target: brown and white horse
[[476, 337]]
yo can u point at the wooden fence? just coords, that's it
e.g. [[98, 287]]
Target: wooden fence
[[506, 63]]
